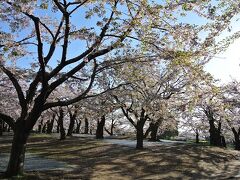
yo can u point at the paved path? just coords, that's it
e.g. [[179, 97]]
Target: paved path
[[35, 163], [132, 143]]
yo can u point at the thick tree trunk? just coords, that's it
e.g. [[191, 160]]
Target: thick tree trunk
[[70, 128], [5, 127], [72, 123], [86, 129], [149, 129], [100, 128], [215, 133], [44, 128], [153, 135], [223, 142], [236, 138], [61, 126], [78, 127], [50, 124], [17, 156], [216, 139], [39, 128], [139, 128], [1, 127], [140, 136]]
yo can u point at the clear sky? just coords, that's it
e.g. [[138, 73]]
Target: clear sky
[[226, 65]]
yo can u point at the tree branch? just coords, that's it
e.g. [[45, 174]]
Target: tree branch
[[9, 120], [18, 88]]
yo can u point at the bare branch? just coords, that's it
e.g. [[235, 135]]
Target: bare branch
[[79, 5]]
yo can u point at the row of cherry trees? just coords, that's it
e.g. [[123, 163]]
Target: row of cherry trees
[[139, 56], [149, 103]]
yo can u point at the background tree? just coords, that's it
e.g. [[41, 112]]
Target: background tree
[[231, 100]]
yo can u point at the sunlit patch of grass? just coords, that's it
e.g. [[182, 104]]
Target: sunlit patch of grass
[[40, 135]]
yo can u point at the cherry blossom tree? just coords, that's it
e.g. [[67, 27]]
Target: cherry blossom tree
[[231, 100], [44, 42]]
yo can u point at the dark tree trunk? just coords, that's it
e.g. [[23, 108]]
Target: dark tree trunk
[[86, 129], [17, 156], [78, 127], [58, 127], [197, 136], [223, 142], [149, 129], [61, 126], [39, 128], [140, 136], [1, 127], [139, 128], [153, 135], [70, 128], [50, 124], [100, 127], [236, 138], [216, 139], [44, 128], [215, 135], [5, 127], [72, 122]]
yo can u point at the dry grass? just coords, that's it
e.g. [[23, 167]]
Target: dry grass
[[95, 159]]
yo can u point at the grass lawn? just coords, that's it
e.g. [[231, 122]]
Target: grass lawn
[[96, 159]]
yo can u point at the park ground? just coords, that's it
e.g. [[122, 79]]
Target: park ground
[[86, 158]]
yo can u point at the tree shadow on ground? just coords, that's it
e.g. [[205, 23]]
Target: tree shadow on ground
[[95, 159]]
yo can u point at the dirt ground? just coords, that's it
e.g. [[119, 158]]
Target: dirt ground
[[99, 160]]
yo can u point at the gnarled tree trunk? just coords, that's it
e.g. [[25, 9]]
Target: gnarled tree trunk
[[17, 156], [61, 126], [149, 129], [236, 138], [154, 130], [40, 126], [216, 139], [50, 124], [86, 129], [100, 128], [72, 122], [139, 128], [77, 130], [44, 129]]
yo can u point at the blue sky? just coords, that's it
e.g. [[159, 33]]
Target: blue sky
[[224, 66]]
